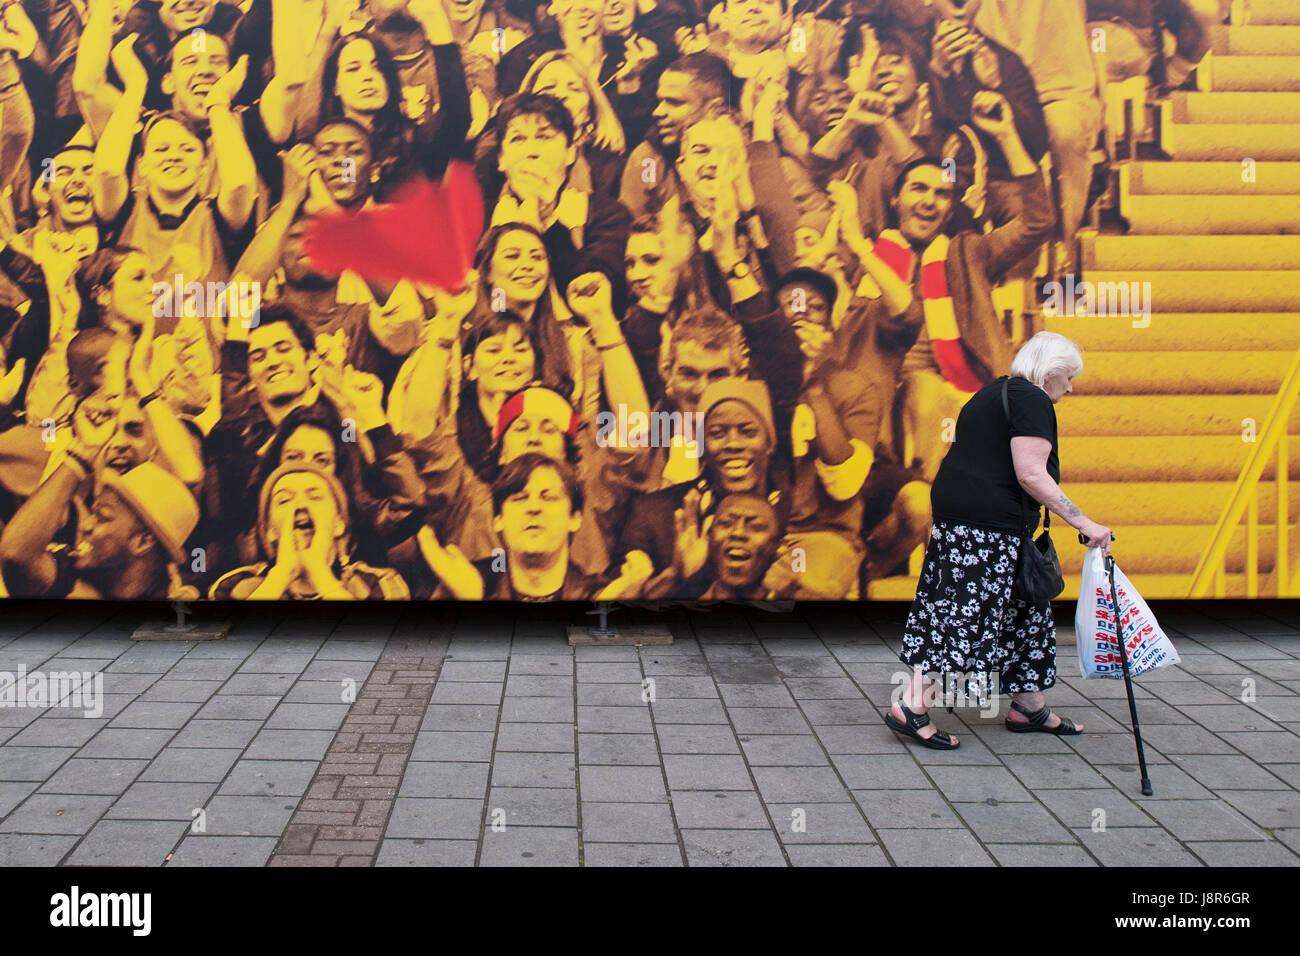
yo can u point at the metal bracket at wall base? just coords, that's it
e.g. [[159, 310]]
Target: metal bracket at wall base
[[603, 634], [183, 629]]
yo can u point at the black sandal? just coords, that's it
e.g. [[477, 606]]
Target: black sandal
[[1035, 720], [938, 741]]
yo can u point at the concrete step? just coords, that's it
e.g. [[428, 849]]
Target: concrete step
[[1191, 107], [1207, 178], [1208, 215], [901, 588], [1122, 253], [1159, 503], [1272, 74], [1088, 414], [1272, 12], [1231, 141], [1156, 587], [1204, 291], [1256, 40], [1152, 586], [1168, 549], [1171, 331], [1183, 373], [1162, 458]]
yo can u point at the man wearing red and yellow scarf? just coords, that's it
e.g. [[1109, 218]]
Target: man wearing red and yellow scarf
[[962, 343]]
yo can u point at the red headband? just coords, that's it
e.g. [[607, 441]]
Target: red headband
[[537, 401]]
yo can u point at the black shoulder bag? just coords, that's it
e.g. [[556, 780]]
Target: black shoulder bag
[[1038, 574]]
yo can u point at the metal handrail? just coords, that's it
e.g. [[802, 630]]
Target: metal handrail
[[1210, 569]]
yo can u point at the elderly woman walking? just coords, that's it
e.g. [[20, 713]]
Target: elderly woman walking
[[985, 498]]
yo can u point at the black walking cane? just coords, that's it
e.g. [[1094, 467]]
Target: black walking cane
[[1128, 680]]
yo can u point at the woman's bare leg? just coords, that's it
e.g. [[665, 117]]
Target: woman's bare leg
[[914, 697], [1033, 701]]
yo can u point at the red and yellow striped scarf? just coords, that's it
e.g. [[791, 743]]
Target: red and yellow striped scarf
[[940, 317]]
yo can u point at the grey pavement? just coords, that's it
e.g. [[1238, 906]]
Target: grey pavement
[[755, 739]]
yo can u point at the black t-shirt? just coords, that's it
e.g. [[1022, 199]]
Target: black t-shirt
[[976, 483]]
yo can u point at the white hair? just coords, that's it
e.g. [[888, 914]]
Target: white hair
[[1044, 355]]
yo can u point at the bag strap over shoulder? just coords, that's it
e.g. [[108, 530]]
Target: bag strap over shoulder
[[1006, 407]]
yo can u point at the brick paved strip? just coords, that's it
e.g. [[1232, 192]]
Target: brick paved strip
[[341, 818]]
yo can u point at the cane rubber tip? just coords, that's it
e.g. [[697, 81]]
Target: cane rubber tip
[[1146, 788]]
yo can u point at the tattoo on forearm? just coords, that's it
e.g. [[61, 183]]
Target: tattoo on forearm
[[1068, 506]]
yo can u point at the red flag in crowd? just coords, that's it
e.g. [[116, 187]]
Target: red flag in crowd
[[426, 234]]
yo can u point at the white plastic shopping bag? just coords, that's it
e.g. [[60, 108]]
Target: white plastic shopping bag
[[1094, 625]]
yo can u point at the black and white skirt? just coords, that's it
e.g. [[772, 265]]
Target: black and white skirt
[[964, 620]]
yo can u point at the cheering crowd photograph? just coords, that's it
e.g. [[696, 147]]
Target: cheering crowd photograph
[[780, 246]]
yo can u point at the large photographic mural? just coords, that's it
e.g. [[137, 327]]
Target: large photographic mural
[[632, 299]]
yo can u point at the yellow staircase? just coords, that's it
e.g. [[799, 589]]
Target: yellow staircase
[[1157, 438], [1165, 417]]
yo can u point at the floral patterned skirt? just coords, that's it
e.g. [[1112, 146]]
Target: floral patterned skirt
[[964, 619]]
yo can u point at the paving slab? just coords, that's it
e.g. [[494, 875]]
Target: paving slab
[[610, 784], [880, 771], [613, 720], [1029, 854], [436, 819], [689, 712], [719, 809], [223, 851], [453, 745], [32, 763], [933, 847], [974, 784], [619, 749], [127, 843], [697, 739], [467, 692], [51, 731], [536, 738], [1271, 809], [836, 855], [277, 778], [222, 734], [732, 848], [192, 764], [447, 779], [461, 717], [820, 823], [1054, 772], [25, 849], [906, 809], [161, 801], [806, 785], [996, 822], [1094, 808], [89, 775], [397, 852], [533, 710], [1136, 846], [509, 770], [617, 695], [534, 806], [530, 846], [1223, 772], [692, 772], [784, 750], [56, 813], [636, 823], [768, 720]]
